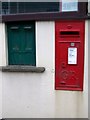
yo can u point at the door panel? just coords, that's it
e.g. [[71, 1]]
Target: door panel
[[68, 74], [27, 38], [21, 43]]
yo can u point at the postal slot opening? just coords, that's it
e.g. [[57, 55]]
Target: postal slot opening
[[69, 33]]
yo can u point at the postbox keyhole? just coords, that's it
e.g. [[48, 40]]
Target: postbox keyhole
[[72, 44], [63, 65]]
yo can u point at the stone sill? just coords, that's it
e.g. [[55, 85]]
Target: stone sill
[[20, 68]]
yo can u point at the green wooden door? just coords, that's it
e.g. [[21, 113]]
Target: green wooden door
[[21, 44]]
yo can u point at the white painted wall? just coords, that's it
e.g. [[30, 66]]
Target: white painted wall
[[30, 95], [0, 95], [88, 69], [2, 53], [0, 72], [88, 6]]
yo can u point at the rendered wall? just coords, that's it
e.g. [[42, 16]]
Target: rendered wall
[[30, 95], [88, 69], [89, 6], [0, 71]]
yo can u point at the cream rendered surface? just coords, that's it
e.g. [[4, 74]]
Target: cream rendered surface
[[0, 72], [32, 95]]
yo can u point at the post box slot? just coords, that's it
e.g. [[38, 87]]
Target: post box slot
[[69, 33]]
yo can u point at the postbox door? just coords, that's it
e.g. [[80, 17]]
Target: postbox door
[[69, 58]]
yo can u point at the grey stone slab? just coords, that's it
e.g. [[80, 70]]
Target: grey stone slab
[[19, 68]]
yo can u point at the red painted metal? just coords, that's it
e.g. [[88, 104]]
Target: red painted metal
[[69, 34]]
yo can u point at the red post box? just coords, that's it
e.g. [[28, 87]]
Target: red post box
[[69, 55]]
